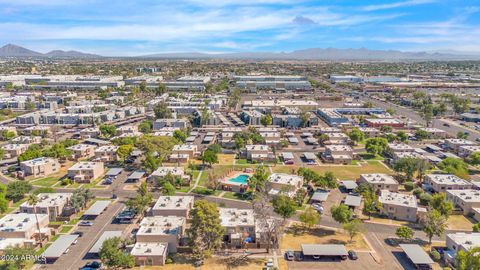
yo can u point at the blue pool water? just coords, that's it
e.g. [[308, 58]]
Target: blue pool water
[[241, 179]]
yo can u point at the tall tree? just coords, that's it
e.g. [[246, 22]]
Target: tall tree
[[439, 202], [310, 217], [404, 232], [434, 224], [269, 227], [113, 254], [284, 206], [206, 231], [33, 200], [341, 213], [353, 228], [468, 260]]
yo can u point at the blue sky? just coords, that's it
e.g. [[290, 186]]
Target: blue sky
[[130, 27]]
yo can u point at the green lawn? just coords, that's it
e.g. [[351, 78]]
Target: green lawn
[[184, 189], [206, 191], [343, 172], [45, 182], [234, 195], [241, 161], [368, 156], [66, 229]]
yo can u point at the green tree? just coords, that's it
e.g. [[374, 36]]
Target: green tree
[[341, 213], [376, 146], [206, 231], [113, 254], [161, 89], [124, 151], [210, 157], [180, 135], [407, 165], [404, 232], [434, 223], [356, 135], [234, 98], [474, 158], [145, 126], [386, 129], [284, 206], [162, 111], [150, 163], [168, 189], [439, 202], [16, 190], [353, 228], [310, 217], [259, 179], [476, 227], [22, 257], [421, 134], [462, 135], [108, 131], [402, 136], [468, 260], [454, 166], [266, 120]]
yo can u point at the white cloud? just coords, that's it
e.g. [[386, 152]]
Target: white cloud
[[396, 5]]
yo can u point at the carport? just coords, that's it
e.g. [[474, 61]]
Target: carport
[[96, 209], [106, 235], [417, 256], [59, 247], [353, 201], [309, 157], [319, 196], [114, 172], [288, 157], [135, 176], [327, 250], [349, 185]]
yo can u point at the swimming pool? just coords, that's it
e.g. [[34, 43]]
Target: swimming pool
[[240, 179]]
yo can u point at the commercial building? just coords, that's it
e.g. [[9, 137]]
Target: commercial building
[[380, 181], [51, 204], [42, 166], [84, 171], [273, 82], [345, 79], [73, 82], [380, 122], [188, 83], [179, 206], [398, 206], [282, 183], [466, 199], [443, 182], [332, 117]]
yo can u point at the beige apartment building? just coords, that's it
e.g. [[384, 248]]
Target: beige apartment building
[[338, 154], [23, 226], [239, 224], [92, 132], [42, 166], [148, 254], [258, 152], [179, 206], [162, 229], [106, 153], [399, 206], [283, 183], [444, 182], [51, 204], [380, 181], [466, 199], [14, 150], [85, 171], [183, 152], [82, 150]]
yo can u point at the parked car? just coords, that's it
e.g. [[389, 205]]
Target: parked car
[[269, 263], [289, 255], [352, 255], [318, 207], [79, 233], [446, 125], [85, 223]]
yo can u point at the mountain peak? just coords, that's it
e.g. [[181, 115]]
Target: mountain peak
[[17, 51]]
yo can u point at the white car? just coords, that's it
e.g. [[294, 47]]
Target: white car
[[318, 207]]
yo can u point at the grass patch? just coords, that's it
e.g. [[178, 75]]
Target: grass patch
[[206, 191], [241, 161], [66, 229], [340, 171], [184, 189], [226, 159], [235, 196], [45, 182], [459, 222], [368, 156]]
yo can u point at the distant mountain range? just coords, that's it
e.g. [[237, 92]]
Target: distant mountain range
[[328, 54], [11, 50]]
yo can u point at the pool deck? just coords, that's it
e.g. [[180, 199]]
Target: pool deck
[[227, 181]]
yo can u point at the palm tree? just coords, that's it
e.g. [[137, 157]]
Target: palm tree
[[33, 200]]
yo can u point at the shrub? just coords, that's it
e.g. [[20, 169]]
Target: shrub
[[435, 255], [417, 192], [425, 198], [409, 186]]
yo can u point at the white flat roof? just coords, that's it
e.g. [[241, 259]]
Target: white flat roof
[[106, 235]]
